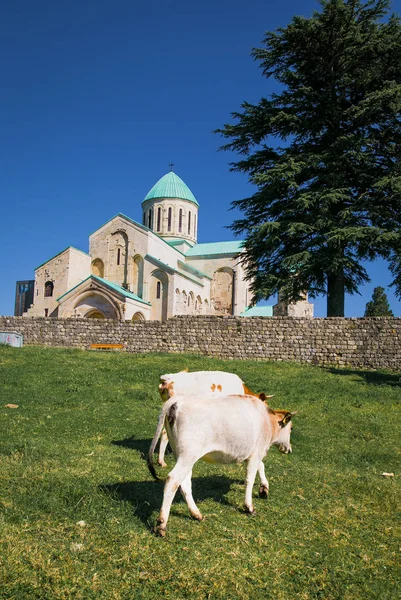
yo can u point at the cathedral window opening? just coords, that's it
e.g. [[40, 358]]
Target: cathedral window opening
[[144, 218], [169, 219], [194, 225], [158, 290], [189, 222], [159, 218], [150, 219], [118, 256], [46, 312], [98, 267], [180, 221], [49, 286]]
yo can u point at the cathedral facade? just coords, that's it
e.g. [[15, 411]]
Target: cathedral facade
[[151, 270]]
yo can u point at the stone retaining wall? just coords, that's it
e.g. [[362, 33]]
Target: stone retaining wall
[[365, 343]]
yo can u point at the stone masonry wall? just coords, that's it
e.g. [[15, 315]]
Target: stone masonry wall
[[364, 343]]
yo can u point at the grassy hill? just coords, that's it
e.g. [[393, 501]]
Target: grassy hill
[[78, 504]]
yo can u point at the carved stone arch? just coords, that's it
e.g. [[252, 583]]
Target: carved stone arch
[[206, 308], [191, 302], [119, 265], [221, 291], [137, 275], [98, 267], [97, 300], [138, 316], [158, 295]]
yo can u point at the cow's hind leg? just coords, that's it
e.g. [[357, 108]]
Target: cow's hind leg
[[173, 482], [264, 484], [251, 470], [162, 449], [186, 490]]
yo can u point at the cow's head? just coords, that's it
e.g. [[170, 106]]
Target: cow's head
[[283, 426], [166, 388]]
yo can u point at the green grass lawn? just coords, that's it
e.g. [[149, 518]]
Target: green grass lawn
[[78, 504]]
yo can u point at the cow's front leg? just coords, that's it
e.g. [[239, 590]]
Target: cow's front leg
[[162, 449], [264, 484], [186, 490], [173, 482], [251, 470]]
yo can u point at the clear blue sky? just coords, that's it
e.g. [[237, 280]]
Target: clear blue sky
[[99, 96]]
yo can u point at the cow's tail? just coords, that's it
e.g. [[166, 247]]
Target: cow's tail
[[159, 429]]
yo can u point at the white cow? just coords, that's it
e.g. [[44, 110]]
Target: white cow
[[210, 384], [234, 429]]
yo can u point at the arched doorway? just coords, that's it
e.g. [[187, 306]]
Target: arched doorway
[[96, 305], [94, 314]]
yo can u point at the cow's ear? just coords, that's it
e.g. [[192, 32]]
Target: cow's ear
[[264, 397], [286, 419]]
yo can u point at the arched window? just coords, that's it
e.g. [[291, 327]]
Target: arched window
[[118, 256], [169, 215], [159, 218], [98, 267], [180, 221], [194, 225], [144, 218], [159, 289], [150, 219], [49, 286], [189, 222], [198, 304]]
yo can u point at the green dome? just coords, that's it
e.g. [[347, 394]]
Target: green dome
[[171, 186]]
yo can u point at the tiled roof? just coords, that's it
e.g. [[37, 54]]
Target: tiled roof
[[110, 284], [171, 186], [258, 311], [215, 248]]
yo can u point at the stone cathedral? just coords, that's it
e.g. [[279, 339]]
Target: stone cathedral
[[147, 271]]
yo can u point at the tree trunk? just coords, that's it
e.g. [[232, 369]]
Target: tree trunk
[[335, 295]]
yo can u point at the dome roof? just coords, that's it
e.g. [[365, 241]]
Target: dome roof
[[171, 186]]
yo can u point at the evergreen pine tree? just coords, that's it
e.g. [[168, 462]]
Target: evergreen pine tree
[[378, 306], [324, 154]]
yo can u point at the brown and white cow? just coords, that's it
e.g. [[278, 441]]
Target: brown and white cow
[[210, 384], [233, 430]]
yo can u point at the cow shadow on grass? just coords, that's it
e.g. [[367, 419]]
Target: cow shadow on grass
[[370, 377], [141, 445], [146, 496]]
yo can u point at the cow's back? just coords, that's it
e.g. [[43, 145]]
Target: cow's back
[[204, 383]]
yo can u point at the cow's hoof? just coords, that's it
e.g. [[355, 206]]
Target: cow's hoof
[[198, 517], [263, 491], [250, 511], [162, 463], [160, 531]]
